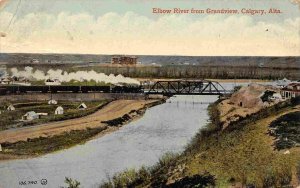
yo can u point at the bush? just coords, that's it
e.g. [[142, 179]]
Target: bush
[[197, 180], [71, 183]]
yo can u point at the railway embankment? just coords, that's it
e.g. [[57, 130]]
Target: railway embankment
[[70, 97]]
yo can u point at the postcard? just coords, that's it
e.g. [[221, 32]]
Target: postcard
[[149, 93]]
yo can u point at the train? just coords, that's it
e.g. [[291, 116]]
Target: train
[[18, 89]]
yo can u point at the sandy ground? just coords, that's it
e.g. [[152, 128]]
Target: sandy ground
[[113, 110], [230, 112]]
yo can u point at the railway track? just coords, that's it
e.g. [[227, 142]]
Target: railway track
[[16, 89]]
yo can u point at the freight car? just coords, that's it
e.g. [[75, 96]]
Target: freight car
[[127, 89], [15, 89]]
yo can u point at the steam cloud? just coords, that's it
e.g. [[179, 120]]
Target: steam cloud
[[64, 76]]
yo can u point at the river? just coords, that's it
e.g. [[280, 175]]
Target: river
[[164, 128]]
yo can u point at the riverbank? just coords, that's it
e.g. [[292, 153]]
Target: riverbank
[[43, 139], [242, 154]]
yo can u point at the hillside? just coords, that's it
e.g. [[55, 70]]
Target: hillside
[[283, 62]]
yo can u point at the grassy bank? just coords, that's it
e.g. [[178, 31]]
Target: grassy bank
[[44, 145], [242, 154]]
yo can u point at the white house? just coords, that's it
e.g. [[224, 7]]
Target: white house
[[11, 108], [276, 96], [52, 101], [5, 81], [291, 91], [283, 83], [59, 111], [30, 116], [82, 106], [52, 82]]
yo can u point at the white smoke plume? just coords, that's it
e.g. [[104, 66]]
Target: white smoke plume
[[64, 76]]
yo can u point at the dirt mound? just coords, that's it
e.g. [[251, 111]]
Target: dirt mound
[[250, 96], [246, 101]]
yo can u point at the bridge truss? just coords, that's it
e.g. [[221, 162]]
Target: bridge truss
[[187, 87]]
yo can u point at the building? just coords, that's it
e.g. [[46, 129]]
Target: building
[[292, 90], [11, 108], [52, 82], [283, 83], [275, 96], [82, 106], [29, 116], [5, 81], [59, 111], [20, 81], [124, 60], [14, 80], [52, 101]]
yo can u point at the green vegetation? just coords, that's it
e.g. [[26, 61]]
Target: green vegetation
[[136, 178], [37, 82], [196, 72], [71, 183], [286, 129], [208, 71], [43, 145], [237, 88], [242, 153], [10, 119], [266, 96]]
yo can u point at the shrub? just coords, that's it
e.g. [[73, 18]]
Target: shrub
[[71, 183]]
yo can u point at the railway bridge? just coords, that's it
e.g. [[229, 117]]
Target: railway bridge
[[187, 87], [167, 88]]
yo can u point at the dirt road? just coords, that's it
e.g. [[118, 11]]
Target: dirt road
[[113, 110]]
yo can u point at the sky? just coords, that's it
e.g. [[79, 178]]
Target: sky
[[131, 27]]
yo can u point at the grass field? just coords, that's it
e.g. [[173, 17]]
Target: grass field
[[11, 119]]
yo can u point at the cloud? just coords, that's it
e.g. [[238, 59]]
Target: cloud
[[131, 33]]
